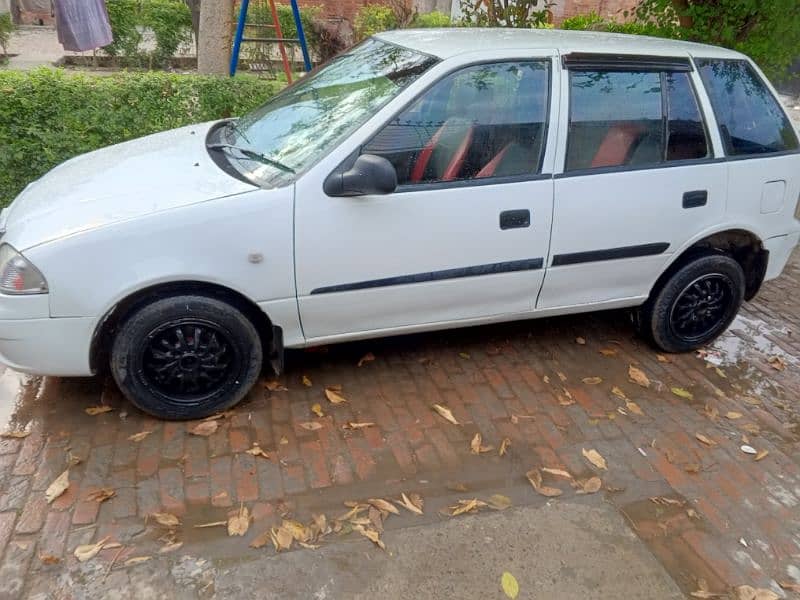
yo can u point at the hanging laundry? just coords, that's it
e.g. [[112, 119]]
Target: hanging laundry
[[82, 24]]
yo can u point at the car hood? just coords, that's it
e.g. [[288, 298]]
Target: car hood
[[151, 174]]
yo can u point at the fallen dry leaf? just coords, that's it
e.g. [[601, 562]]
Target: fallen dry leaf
[[682, 393], [476, 446], [49, 559], [316, 408], [705, 439], [663, 359], [464, 355], [138, 437], [592, 380], [275, 386], [97, 410], [205, 429], [86, 552], [100, 495], [591, 485], [170, 547], [509, 584], [789, 585], [136, 560], [239, 523], [733, 415], [384, 505], [465, 506], [504, 446], [367, 358], [594, 457], [720, 372], [311, 425], [499, 502], [535, 478], [281, 538], [446, 413], [637, 376], [561, 376], [352, 425], [256, 450], [580, 341], [17, 434], [633, 407], [283, 441], [166, 519], [746, 592], [371, 535], [618, 393], [762, 454], [333, 395], [777, 363], [297, 530], [608, 351], [58, 487], [408, 503], [557, 472], [307, 381]]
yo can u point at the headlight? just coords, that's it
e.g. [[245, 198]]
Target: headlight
[[17, 275]]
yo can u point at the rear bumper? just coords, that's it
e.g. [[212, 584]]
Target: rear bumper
[[47, 346], [780, 249]]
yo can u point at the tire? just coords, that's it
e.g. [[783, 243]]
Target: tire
[[694, 305], [186, 357]]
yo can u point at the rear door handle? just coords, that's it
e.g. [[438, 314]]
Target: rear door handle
[[515, 219], [695, 199]]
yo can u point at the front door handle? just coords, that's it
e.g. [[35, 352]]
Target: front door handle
[[515, 219], [695, 199]]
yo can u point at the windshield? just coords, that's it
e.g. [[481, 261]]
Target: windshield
[[304, 122]]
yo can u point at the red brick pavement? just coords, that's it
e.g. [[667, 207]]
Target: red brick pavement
[[727, 518]]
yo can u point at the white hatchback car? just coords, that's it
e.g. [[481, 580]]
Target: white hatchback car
[[422, 180]]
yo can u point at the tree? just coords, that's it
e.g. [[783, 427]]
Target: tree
[[766, 30], [194, 8], [214, 39]]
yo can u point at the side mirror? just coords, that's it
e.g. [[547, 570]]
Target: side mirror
[[369, 175]]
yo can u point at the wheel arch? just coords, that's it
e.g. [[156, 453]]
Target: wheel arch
[[743, 245], [270, 335]]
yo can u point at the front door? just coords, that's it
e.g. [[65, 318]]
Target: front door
[[639, 179], [466, 234]]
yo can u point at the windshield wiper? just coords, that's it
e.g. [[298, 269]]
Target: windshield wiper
[[253, 154]]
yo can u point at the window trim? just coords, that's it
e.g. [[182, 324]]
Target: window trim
[[476, 182], [710, 151], [591, 61], [765, 84]]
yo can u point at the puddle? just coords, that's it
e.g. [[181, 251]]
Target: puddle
[[747, 336], [16, 390]]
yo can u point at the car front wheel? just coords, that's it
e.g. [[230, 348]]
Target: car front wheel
[[695, 304], [186, 357]]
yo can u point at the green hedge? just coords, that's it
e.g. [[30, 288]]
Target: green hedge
[[48, 116]]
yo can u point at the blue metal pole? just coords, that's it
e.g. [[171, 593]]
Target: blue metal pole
[[301, 35], [237, 40]]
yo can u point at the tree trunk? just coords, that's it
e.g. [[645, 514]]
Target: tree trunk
[[214, 42]]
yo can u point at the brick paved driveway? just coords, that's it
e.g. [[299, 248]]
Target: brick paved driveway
[[719, 514]]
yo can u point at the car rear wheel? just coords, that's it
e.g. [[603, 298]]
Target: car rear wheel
[[695, 304], [186, 357]]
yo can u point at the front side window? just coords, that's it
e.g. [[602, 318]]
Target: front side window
[[300, 125], [634, 119], [750, 119], [482, 121]]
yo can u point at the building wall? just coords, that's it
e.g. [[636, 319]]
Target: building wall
[[5, 6]]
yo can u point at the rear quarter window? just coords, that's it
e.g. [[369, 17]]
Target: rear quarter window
[[750, 119]]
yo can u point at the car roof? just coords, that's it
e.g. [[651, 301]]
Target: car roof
[[452, 41]]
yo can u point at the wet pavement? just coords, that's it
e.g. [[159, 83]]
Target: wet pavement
[[713, 516]]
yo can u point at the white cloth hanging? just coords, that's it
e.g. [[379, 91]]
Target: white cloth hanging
[[82, 24]]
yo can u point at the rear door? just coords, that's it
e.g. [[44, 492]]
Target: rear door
[[465, 235], [639, 178]]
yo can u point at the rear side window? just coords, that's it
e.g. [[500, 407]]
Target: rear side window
[[750, 119], [630, 118], [483, 121]]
